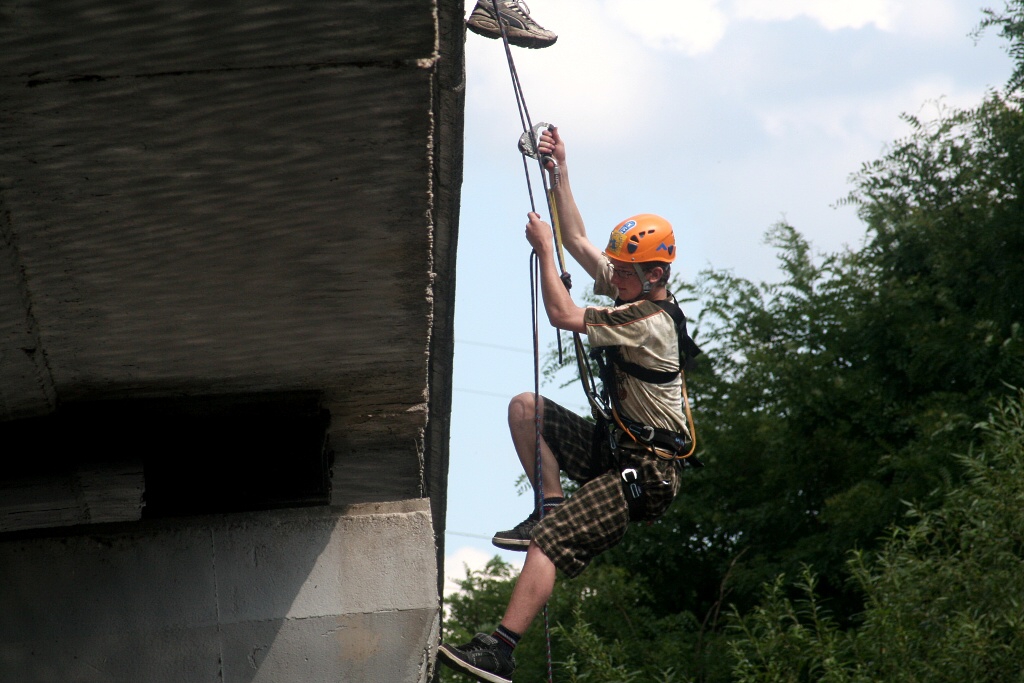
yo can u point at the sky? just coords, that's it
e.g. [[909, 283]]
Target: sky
[[723, 116]]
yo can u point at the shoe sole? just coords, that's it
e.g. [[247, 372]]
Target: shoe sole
[[510, 544], [462, 666], [515, 36]]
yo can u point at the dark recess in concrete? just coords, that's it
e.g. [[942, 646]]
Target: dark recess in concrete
[[200, 455]]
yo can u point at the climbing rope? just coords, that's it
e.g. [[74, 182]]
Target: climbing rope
[[529, 146], [528, 128], [538, 485]]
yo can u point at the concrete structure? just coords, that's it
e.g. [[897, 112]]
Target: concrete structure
[[227, 238]]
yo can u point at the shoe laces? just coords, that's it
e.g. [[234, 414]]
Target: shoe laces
[[477, 645], [518, 6]]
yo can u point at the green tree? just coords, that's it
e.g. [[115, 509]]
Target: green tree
[[944, 597], [826, 399], [1010, 21], [832, 396], [825, 402], [607, 596]]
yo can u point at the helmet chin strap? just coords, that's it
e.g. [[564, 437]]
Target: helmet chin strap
[[646, 286], [643, 280]]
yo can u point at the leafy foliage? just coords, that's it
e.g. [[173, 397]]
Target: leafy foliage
[[790, 641], [943, 596], [1011, 27], [607, 595]]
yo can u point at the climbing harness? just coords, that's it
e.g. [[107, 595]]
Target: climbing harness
[[662, 443], [632, 491]]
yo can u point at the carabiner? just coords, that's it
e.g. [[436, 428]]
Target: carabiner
[[529, 140]]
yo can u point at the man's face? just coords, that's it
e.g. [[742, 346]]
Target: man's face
[[626, 280]]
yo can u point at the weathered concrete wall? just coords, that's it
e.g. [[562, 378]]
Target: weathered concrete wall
[[301, 595], [200, 199], [227, 253]]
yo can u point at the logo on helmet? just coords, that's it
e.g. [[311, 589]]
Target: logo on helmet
[[615, 243], [626, 227]]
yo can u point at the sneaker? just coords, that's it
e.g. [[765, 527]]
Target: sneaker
[[517, 538], [521, 29], [480, 658]]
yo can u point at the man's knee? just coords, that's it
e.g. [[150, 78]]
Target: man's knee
[[536, 555], [522, 409]]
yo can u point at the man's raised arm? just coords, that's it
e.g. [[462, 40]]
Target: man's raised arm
[[570, 222]]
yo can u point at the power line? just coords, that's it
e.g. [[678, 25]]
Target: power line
[[463, 533], [481, 393], [494, 346]]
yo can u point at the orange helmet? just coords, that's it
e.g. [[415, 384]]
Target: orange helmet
[[641, 239]]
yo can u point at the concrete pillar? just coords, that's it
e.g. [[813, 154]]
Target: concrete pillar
[[310, 595]]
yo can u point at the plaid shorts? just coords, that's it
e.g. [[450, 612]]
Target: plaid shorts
[[596, 516]]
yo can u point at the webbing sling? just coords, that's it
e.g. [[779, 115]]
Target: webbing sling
[[688, 351]]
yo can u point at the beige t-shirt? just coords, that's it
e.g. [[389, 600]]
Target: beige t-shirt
[[646, 335]]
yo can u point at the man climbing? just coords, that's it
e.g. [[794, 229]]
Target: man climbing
[[619, 482], [522, 31]]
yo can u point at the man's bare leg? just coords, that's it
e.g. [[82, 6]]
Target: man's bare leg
[[531, 592], [523, 426]]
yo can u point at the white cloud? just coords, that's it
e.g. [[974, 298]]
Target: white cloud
[[866, 116], [831, 14], [912, 17], [694, 27], [935, 18], [456, 563], [594, 76]]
